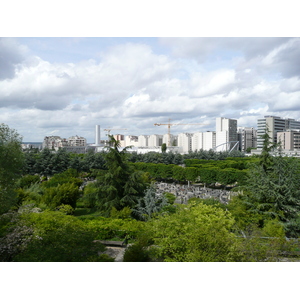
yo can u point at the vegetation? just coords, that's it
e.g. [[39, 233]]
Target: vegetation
[[55, 205]]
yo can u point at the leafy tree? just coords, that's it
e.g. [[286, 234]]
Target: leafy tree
[[66, 193], [196, 232], [11, 164], [163, 148], [57, 238]]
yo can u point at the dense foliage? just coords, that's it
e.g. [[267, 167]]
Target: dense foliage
[[63, 203]]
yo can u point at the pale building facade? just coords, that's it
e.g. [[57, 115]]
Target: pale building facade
[[226, 133], [131, 140], [289, 140], [209, 140], [173, 139], [247, 137], [143, 141], [274, 125], [185, 142], [155, 140], [76, 141]]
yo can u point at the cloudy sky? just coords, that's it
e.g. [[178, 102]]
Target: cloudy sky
[[65, 86]]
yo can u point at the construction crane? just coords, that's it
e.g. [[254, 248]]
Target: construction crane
[[110, 129], [172, 124]]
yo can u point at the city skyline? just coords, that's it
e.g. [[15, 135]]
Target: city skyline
[[65, 86]]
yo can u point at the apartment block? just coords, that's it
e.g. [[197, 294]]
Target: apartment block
[[155, 140], [173, 139], [143, 141], [131, 140], [185, 142], [209, 140], [76, 141]]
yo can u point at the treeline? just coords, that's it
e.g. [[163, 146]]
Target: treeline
[[48, 163]]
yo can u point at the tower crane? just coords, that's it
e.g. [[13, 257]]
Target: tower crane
[[110, 129], [172, 124]]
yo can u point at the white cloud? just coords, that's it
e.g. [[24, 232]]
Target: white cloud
[[133, 85]]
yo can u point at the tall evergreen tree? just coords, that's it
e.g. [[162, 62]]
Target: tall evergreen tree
[[120, 186], [272, 187]]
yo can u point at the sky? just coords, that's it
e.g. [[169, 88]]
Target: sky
[[56, 85], [66, 86]]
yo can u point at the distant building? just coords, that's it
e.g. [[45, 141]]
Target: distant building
[[54, 142], [73, 144], [247, 137], [274, 125], [143, 141], [155, 140], [289, 140], [226, 133], [185, 142], [131, 140], [76, 141]]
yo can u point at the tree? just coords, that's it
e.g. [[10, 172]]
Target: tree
[[272, 188], [120, 186], [194, 233], [164, 148], [150, 204], [11, 164], [57, 238]]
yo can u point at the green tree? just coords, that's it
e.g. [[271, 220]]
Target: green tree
[[66, 193], [150, 204], [120, 186], [164, 148], [57, 238], [195, 232], [272, 188], [11, 164]]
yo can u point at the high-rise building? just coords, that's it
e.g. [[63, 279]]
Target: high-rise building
[[209, 140], [172, 137], [247, 137], [274, 125], [155, 140], [226, 133], [143, 140], [185, 142], [131, 140]]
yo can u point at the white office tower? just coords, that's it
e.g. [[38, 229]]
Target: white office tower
[[131, 140], [247, 137], [226, 133], [143, 141], [185, 142], [97, 136], [155, 140], [274, 125]]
